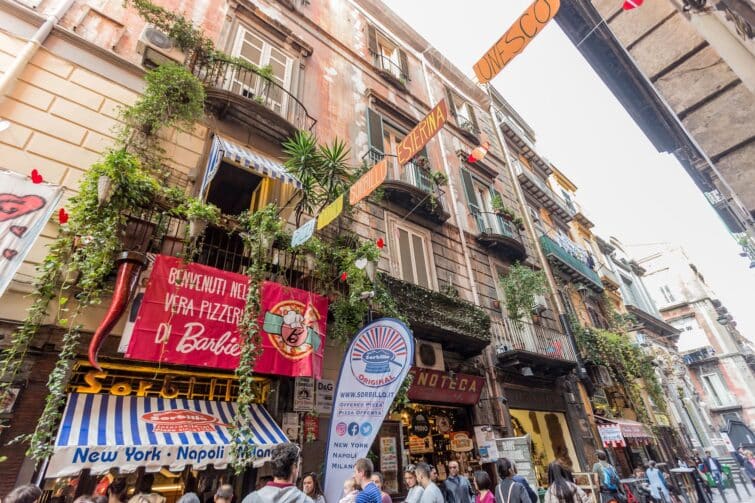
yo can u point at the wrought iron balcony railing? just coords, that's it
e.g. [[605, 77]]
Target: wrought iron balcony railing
[[568, 263], [545, 194], [699, 355], [242, 80], [509, 335], [390, 67], [492, 223], [410, 172]]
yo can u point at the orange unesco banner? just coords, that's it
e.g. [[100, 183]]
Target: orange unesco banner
[[515, 39], [422, 132], [368, 182]]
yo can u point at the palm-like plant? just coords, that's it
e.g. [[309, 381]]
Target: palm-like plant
[[323, 171]]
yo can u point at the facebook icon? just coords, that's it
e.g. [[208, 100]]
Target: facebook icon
[[353, 429]]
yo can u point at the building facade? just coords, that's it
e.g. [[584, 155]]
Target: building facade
[[718, 356], [684, 72]]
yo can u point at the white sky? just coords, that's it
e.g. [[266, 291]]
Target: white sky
[[627, 188]]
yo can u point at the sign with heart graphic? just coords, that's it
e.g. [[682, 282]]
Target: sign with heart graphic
[[25, 207]]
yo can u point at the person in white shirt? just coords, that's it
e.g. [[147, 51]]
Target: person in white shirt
[[430, 491]]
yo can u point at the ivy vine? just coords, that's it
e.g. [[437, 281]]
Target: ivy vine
[[520, 287]]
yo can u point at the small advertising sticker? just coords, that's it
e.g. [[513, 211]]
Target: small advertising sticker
[[291, 425], [461, 441], [485, 437], [311, 427], [420, 445], [324, 396], [388, 455], [304, 394]]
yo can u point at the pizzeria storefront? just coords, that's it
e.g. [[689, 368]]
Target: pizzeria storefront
[[436, 426], [629, 443]]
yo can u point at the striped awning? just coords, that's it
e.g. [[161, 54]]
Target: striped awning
[[226, 149], [101, 432]]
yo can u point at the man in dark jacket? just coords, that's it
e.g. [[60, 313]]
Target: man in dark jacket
[[518, 478], [713, 466], [458, 489]]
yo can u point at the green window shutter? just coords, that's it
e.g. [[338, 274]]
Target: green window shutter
[[466, 181], [451, 104], [423, 175], [372, 39], [375, 131], [473, 117], [404, 64]]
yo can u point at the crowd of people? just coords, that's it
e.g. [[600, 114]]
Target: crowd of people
[[423, 484]]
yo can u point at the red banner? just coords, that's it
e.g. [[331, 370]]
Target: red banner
[[436, 386], [190, 312]]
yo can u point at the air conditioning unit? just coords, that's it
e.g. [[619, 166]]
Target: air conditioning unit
[[429, 355], [157, 48]]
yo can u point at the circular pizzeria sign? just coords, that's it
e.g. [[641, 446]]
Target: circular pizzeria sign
[[378, 356], [292, 327]]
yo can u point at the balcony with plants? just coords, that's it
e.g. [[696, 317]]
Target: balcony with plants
[[390, 70], [500, 230], [572, 261], [458, 325], [413, 186]]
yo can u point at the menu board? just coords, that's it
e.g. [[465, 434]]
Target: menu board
[[518, 450]]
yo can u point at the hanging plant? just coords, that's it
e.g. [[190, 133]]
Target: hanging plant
[[439, 178], [199, 214], [520, 287]]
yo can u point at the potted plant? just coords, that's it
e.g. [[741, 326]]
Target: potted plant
[[439, 178], [497, 203], [421, 161], [199, 214], [518, 222]]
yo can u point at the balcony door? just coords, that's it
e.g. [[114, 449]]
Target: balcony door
[[384, 141], [254, 49]]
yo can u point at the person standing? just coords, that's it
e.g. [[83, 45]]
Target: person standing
[[457, 487], [224, 494], [713, 466], [116, 491], [657, 483], [530, 492], [508, 490], [363, 476], [607, 478], [483, 484], [561, 489], [28, 493], [284, 460], [415, 490], [430, 492], [311, 488], [378, 479], [749, 466], [350, 491]]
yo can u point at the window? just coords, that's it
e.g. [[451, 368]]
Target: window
[[716, 389], [257, 51], [384, 139], [480, 196], [411, 254], [463, 112], [667, 295], [388, 56]]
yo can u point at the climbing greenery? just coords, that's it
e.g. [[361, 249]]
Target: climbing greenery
[[77, 268], [520, 287], [629, 365]]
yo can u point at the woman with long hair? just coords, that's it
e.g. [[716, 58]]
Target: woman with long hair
[[508, 490], [415, 490], [311, 487], [560, 490]]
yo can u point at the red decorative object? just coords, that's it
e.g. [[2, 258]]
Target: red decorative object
[[130, 265], [631, 4], [344, 275], [36, 177], [478, 153], [380, 243], [63, 216]]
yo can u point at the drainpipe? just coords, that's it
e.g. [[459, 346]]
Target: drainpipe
[[10, 77], [492, 383]]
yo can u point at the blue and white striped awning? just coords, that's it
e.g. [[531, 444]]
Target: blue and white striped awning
[[101, 432], [225, 149]]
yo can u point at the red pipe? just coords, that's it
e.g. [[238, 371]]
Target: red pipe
[[130, 267]]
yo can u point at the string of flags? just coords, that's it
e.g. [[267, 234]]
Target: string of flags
[[409, 147]]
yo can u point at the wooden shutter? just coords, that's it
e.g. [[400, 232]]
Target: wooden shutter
[[451, 104], [473, 117], [423, 175], [375, 130], [404, 64], [372, 39], [466, 181]]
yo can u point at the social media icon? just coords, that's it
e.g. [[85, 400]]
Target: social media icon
[[341, 429], [353, 429], [366, 428]]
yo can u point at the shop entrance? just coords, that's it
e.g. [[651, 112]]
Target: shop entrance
[[550, 439]]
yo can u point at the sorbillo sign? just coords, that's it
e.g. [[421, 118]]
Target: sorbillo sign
[[374, 366]]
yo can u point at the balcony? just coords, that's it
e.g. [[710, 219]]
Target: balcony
[[235, 91], [575, 268], [547, 352], [455, 323], [411, 187], [468, 128], [544, 195], [500, 235], [699, 356], [519, 138], [390, 70]]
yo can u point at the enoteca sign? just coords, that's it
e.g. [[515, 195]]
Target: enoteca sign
[[438, 386], [190, 313]]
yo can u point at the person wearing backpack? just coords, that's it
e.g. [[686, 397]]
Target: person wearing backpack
[[509, 491], [610, 491]]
